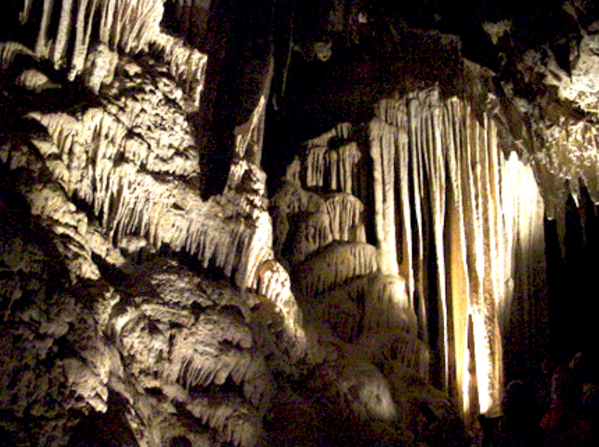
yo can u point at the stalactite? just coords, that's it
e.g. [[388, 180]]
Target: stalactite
[[83, 23], [458, 281], [450, 165], [64, 26], [522, 320], [434, 164], [315, 166], [342, 163], [125, 25], [383, 154], [187, 65], [41, 45], [131, 201]]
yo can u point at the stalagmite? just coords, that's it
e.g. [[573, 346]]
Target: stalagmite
[[365, 306], [334, 265]]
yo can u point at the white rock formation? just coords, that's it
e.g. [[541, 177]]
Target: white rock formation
[[464, 193]]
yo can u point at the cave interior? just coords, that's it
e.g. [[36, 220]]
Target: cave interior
[[272, 223]]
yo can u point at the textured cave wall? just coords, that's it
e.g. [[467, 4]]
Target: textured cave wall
[[143, 298], [274, 225], [101, 184]]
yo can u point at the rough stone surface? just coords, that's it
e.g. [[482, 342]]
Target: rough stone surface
[[272, 225]]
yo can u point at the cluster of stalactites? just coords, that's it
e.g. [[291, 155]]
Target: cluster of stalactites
[[138, 186], [317, 204], [568, 160], [187, 65], [331, 166], [85, 38], [126, 25], [79, 237], [84, 158], [440, 177]]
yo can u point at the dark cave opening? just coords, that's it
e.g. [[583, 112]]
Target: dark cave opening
[[573, 307]]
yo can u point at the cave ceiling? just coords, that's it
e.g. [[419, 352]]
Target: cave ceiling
[[274, 223]]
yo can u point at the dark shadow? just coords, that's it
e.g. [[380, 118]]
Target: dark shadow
[[110, 429]]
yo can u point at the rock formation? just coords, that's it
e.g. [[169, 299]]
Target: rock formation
[[268, 225]]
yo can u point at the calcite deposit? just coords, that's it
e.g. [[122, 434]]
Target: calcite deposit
[[273, 225]]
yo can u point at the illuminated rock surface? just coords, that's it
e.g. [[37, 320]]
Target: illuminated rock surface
[[270, 225]]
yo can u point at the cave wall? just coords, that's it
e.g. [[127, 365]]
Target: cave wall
[[218, 219]]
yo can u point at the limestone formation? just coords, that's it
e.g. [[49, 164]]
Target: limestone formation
[[218, 219]]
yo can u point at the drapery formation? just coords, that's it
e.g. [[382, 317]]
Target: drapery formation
[[463, 222]]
